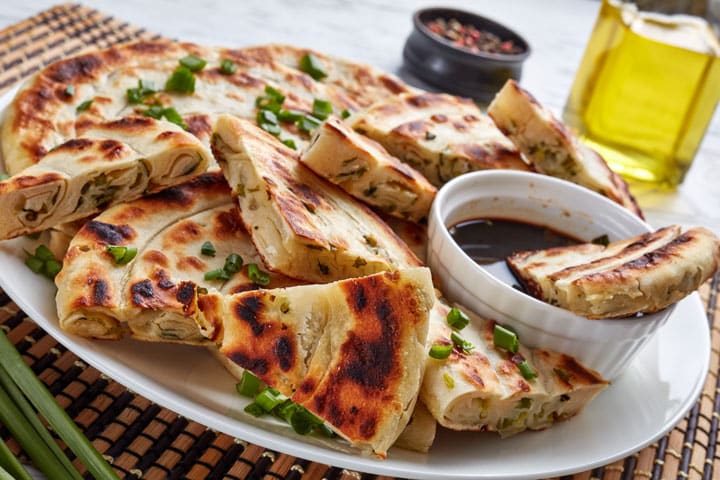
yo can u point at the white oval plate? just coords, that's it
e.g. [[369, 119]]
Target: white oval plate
[[641, 406]]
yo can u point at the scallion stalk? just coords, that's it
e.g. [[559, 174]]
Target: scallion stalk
[[10, 465], [56, 417]]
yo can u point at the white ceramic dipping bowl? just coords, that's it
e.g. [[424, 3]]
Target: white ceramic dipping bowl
[[607, 346]]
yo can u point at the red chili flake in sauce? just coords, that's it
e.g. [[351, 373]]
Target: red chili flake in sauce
[[468, 37]]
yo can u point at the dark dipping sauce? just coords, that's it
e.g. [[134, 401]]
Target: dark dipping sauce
[[491, 240]]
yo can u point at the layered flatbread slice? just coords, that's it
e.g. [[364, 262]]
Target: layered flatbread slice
[[152, 297], [439, 135], [642, 274], [114, 162], [351, 351], [483, 389], [552, 148], [301, 225], [68, 96], [365, 170]]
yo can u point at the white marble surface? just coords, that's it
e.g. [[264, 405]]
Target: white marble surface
[[374, 31]]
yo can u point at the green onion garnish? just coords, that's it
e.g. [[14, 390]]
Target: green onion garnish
[[182, 80], [172, 116], [269, 398], [302, 421], [233, 263], [310, 64], [440, 352], [290, 115], [70, 90], [457, 319], [143, 90], [272, 129], [228, 67], [34, 264], [208, 249], [44, 403], [266, 116], [449, 380], [289, 142], [274, 94], [258, 276], [308, 123], [193, 63], [321, 109], [52, 268], [217, 274], [43, 262], [461, 343], [155, 112], [249, 384], [345, 114], [121, 254], [526, 370], [84, 106], [504, 338], [254, 409], [43, 253]]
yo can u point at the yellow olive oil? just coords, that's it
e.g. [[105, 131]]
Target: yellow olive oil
[[645, 91]]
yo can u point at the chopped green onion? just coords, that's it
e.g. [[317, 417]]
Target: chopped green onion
[[233, 263], [34, 264], [274, 94], [70, 90], [84, 106], [303, 421], [208, 249], [290, 115], [449, 380], [182, 80], [504, 338], [461, 343], [52, 268], [310, 64], [121, 254], [43, 253], [172, 116], [228, 67], [269, 398], [155, 111], [345, 114], [440, 352], [271, 129], [217, 274], [322, 109], [603, 240], [526, 370], [308, 123], [249, 384], [32, 388], [258, 276], [193, 63], [266, 116], [265, 103], [143, 90], [254, 409], [286, 410], [289, 142], [457, 319]]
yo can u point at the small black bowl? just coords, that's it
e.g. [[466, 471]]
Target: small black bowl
[[456, 70]]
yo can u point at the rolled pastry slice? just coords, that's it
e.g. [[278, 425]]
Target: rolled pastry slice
[[152, 297], [365, 170], [85, 175], [302, 225], [483, 389], [552, 148], [439, 135], [642, 274], [351, 351]]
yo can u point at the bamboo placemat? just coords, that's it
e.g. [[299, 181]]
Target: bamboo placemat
[[145, 440]]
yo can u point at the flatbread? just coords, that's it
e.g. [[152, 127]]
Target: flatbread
[[642, 274], [552, 148], [484, 391], [365, 170], [43, 115], [350, 352], [439, 135], [302, 226], [153, 297], [113, 162]]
